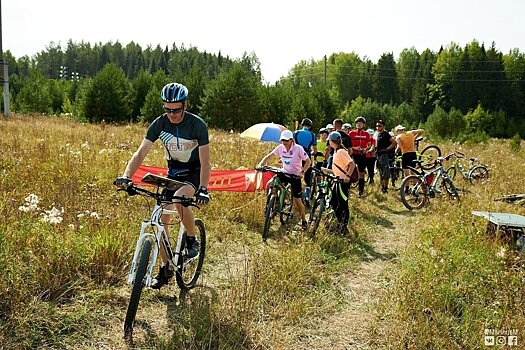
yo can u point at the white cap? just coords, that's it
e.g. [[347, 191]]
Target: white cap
[[347, 126], [330, 126], [399, 127], [286, 135]]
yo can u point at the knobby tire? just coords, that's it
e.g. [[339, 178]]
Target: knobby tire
[[417, 195], [429, 155], [190, 271], [268, 214], [315, 216], [138, 284]]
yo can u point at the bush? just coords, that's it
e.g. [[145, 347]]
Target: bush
[[515, 143]]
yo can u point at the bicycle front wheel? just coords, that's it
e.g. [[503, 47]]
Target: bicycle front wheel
[[287, 205], [451, 172], [138, 284], [479, 174], [416, 196], [268, 216], [190, 269], [315, 216], [452, 191], [428, 156]]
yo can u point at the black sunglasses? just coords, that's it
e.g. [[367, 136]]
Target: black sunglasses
[[173, 110]]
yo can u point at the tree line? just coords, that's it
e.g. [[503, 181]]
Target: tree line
[[456, 92]]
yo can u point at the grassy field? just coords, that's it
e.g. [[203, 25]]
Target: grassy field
[[66, 239]]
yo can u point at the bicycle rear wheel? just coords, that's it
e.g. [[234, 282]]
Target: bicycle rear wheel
[[416, 197], [268, 215], [315, 216], [136, 291], [287, 205], [190, 269], [428, 156], [479, 174]]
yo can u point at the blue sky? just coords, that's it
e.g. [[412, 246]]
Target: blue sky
[[280, 33]]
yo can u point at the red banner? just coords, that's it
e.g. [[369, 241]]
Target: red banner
[[220, 180]]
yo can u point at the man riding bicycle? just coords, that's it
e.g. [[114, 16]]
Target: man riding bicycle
[[185, 137], [292, 157]]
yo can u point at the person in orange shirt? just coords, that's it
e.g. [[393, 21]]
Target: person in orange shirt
[[343, 165], [405, 146]]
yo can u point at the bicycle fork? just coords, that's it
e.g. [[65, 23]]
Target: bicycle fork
[[144, 235]]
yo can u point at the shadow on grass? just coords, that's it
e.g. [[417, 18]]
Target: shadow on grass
[[196, 322]]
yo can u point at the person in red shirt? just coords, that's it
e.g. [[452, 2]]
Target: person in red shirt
[[361, 143]]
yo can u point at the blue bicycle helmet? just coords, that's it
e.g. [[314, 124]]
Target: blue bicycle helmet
[[334, 136], [174, 92]]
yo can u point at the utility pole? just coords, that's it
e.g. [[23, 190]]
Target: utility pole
[[4, 75]]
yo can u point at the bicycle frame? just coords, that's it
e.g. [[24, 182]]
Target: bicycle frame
[[155, 223]]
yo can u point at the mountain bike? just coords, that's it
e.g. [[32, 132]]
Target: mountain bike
[[152, 233], [476, 173], [279, 200], [321, 201], [425, 185]]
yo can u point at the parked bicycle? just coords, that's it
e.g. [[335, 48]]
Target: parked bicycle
[[426, 184], [321, 202], [151, 235], [279, 200], [476, 173]]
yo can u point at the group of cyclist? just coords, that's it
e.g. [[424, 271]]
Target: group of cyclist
[[185, 138]]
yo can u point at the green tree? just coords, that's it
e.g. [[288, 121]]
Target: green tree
[[35, 95], [231, 102], [108, 97], [407, 71], [445, 125], [153, 106], [141, 86], [386, 89]]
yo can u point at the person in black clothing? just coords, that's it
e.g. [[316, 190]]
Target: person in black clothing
[[385, 144]]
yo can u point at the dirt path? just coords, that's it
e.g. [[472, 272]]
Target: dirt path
[[350, 327]]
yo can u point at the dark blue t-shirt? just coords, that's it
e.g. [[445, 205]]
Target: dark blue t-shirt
[[181, 140]]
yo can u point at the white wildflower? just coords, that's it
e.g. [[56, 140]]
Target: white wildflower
[[85, 145], [94, 215], [433, 252], [81, 215], [53, 216], [31, 203], [501, 252]]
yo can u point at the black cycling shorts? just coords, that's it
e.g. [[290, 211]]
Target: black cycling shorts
[[407, 159], [295, 182], [360, 161], [191, 177]]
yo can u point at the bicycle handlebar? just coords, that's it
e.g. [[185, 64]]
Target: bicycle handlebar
[[276, 171], [132, 190]]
